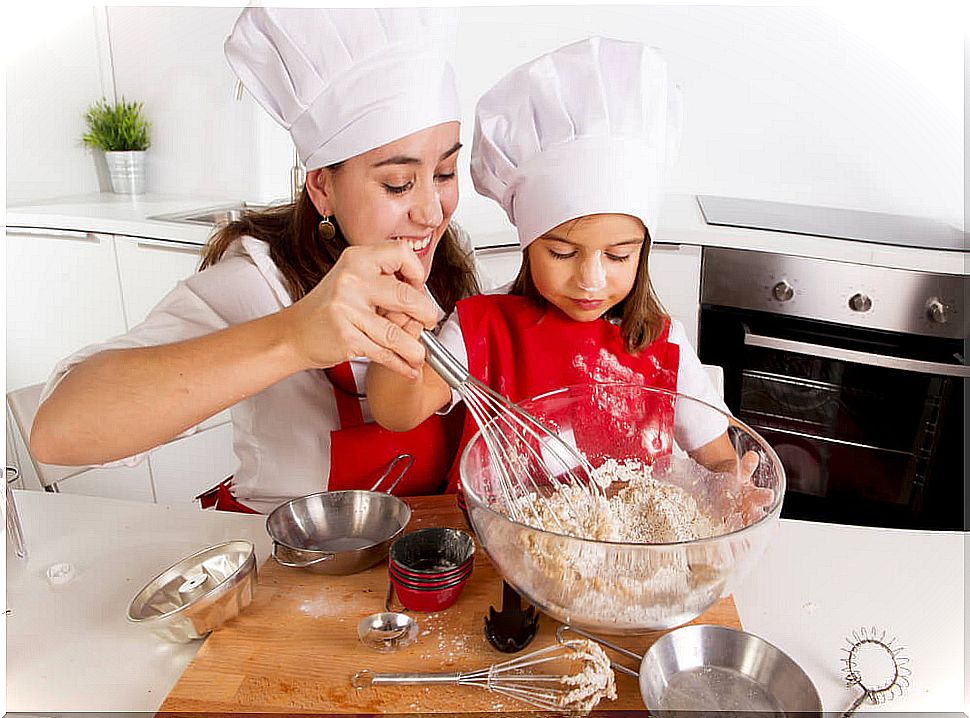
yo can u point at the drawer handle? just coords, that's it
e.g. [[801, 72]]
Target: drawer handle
[[170, 245], [56, 233]]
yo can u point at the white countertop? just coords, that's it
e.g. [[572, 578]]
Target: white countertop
[[71, 648], [681, 222]]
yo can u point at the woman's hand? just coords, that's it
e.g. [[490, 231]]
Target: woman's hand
[[360, 307]]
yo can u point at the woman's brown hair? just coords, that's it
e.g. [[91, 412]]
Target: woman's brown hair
[[640, 313], [304, 258]]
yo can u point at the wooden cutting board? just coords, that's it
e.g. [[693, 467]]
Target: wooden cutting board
[[294, 649]]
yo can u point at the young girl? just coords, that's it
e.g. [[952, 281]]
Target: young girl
[[572, 145]]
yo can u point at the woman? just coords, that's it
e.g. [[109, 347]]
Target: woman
[[293, 302]]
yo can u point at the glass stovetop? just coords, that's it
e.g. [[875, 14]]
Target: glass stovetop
[[852, 224]]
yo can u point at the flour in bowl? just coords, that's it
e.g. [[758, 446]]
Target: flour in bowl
[[640, 510], [630, 568]]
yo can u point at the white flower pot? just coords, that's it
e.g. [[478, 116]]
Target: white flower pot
[[127, 171]]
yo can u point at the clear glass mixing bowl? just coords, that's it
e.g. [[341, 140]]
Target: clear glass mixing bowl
[[624, 587]]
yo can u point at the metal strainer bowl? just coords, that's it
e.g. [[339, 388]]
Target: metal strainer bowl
[[625, 587], [198, 594]]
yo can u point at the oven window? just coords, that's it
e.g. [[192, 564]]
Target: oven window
[[861, 443], [841, 429]]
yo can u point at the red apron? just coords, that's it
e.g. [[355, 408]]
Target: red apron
[[521, 350], [361, 451]]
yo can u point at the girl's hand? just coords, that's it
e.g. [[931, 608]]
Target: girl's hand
[[751, 501], [724, 490], [346, 314]]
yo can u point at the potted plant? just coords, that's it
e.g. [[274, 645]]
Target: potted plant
[[122, 132]]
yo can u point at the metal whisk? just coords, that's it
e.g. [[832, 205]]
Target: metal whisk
[[876, 665], [530, 457], [578, 690]]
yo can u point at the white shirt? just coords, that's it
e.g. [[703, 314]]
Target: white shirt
[[281, 436], [694, 425]]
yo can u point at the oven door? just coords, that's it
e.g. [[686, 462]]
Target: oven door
[[868, 424]]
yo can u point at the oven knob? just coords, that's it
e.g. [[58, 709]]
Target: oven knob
[[783, 291], [860, 303], [936, 311]]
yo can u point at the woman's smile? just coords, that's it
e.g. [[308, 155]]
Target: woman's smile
[[418, 245]]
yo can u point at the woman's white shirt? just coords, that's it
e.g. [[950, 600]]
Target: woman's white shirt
[[281, 435]]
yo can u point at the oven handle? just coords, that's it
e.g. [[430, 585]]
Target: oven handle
[[856, 357]]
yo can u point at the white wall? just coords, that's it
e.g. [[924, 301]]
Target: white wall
[[53, 74], [830, 106]]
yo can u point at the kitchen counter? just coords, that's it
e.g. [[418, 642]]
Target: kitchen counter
[[681, 222], [70, 648]]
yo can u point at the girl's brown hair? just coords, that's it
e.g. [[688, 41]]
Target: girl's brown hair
[[304, 258], [641, 314]]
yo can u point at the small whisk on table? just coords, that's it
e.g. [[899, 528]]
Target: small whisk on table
[[576, 691], [875, 665], [533, 461]]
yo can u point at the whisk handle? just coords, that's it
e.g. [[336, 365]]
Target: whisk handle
[[858, 702], [364, 679], [443, 362]]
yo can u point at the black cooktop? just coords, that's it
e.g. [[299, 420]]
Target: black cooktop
[[895, 229]]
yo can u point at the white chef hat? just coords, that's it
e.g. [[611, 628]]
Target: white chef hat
[[581, 130], [345, 81]]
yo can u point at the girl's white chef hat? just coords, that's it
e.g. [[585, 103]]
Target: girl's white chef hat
[[586, 129], [345, 81]]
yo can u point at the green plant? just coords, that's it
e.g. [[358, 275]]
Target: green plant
[[116, 127]]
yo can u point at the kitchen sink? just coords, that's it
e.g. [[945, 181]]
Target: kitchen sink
[[222, 214]]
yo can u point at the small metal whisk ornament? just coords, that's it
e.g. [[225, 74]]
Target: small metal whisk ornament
[[875, 665]]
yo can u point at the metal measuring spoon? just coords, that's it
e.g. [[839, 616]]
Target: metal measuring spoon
[[387, 631]]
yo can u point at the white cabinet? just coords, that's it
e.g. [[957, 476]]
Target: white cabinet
[[149, 269], [67, 289], [133, 483], [184, 468], [62, 294], [675, 272]]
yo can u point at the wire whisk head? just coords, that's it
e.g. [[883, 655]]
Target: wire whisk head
[[875, 663]]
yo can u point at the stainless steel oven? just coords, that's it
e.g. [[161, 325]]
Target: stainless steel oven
[[855, 374]]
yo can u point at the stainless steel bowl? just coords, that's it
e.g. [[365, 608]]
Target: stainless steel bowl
[[713, 668], [613, 587], [336, 532], [198, 594]]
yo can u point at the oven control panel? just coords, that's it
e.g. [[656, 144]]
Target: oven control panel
[[873, 297]]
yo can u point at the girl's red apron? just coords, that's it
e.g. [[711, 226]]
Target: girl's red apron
[[361, 451], [522, 349]]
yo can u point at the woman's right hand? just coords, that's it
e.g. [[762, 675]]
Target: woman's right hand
[[359, 307]]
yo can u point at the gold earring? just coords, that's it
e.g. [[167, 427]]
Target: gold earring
[[326, 228]]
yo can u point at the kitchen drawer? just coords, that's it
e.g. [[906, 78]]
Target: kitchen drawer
[[184, 468], [149, 269], [62, 294]]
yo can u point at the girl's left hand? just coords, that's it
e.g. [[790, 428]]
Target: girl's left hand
[[751, 501]]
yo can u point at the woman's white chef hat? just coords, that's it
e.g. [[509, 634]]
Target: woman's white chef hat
[[345, 81], [581, 130]]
